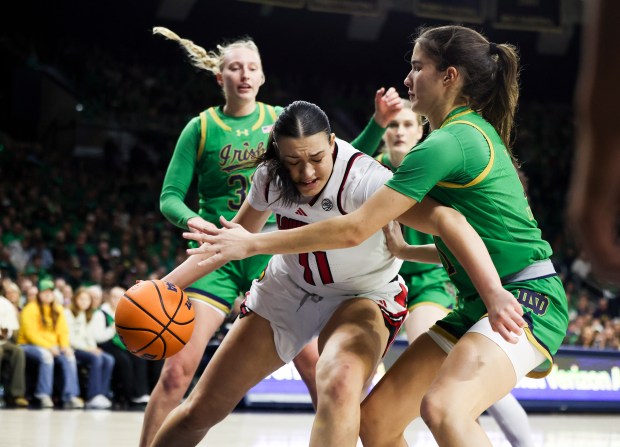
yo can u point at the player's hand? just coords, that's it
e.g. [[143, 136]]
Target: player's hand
[[394, 238], [505, 315], [387, 106], [228, 243], [196, 224]]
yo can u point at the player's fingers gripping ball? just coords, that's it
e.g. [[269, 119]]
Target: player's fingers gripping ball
[[154, 319]]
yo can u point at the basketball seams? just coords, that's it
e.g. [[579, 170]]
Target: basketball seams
[[165, 327], [153, 340], [166, 330]]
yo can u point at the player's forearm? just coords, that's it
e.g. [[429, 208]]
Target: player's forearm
[[426, 254], [174, 209], [464, 243], [189, 271], [325, 235]]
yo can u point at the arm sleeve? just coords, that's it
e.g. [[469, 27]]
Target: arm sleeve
[[179, 176], [369, 139]]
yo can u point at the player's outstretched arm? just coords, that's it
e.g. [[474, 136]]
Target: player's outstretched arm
[[201, 263]]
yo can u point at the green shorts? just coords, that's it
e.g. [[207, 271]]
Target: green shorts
[[221, 288], [431, 286], [545, 311]]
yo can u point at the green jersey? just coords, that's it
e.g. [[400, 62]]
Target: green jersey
[[223, 164], [465, 165], [412, 237]]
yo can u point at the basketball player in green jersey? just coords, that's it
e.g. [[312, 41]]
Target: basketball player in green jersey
[[431, 293], [220, 147], [501, 330]]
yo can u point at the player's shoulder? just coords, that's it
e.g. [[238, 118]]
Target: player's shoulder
[[346, 152], [260, 173], [443, 135]]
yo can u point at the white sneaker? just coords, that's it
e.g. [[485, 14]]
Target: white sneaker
[[144, 399], [99, 402], [45, 401]]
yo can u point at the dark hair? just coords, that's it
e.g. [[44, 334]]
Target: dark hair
[[299, 119], [490, 72]]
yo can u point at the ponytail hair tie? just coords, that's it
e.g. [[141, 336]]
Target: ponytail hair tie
[[493, 49]]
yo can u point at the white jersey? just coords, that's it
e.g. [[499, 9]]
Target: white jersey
[[354, 270]]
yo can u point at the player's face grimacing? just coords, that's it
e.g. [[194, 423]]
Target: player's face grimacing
[[309, 161]]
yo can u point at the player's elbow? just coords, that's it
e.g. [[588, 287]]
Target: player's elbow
[[354, 235], [447, 219]]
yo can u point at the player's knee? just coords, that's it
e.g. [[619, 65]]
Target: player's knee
[[175, 377], [338, 382], [202, 413], [434, 409], [190, 419]]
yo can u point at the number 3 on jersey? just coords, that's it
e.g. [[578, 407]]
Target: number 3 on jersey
[[322, 264], [241, 183]]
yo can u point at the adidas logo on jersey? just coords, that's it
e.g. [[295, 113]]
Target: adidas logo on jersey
[[300, 212]]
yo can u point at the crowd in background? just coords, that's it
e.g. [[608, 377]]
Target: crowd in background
[[94, 221]]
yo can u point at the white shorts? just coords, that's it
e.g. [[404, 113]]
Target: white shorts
[[523, 355], [298, 315]]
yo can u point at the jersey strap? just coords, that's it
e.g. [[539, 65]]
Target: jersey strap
[[218, 120], [485, 171], [272, 112], [257, 125], [203, 134]]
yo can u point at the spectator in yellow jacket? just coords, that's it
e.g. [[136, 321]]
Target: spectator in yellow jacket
[[44, 337]]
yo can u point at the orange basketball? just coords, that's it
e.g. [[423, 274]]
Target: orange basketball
[[154, 319]]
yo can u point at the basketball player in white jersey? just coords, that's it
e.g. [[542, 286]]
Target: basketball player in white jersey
[[352, 298]]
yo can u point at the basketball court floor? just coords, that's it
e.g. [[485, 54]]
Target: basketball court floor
[[97, 428]]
